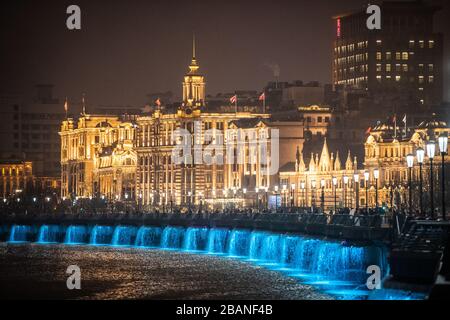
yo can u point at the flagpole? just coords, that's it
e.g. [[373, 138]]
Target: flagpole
[[235, 105], [264, 103], [406, 128], [395, 126]]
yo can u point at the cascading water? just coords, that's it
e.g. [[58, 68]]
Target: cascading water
[[149, 237], [195, 239], [101, 235], [238, 243], [76, 234], [217, 241], [20, 233], [336, 268], [124, 236], [172, 237], [50, 234]]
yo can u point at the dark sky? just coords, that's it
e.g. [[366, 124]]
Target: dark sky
[[127, 49]]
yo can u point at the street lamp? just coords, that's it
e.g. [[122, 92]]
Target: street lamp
[[335, 197], [443, 148], [420, 153], [292, 194], [431, 148], [313, 193], [322, 196], [366, 184], [376, 175], [302, 186], [356, 179], [345, 191], [410, 163]]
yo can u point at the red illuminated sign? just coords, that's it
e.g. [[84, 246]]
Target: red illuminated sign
[[338, 28]]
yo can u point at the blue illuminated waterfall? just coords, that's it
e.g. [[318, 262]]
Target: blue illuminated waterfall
[[76, 235], [101, 235], [50, 234], [333, 266], [149, 237], [124, 236]]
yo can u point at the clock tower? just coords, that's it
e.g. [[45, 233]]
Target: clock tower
[[193, 84]]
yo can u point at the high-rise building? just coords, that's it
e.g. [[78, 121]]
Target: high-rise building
[[403, 60]]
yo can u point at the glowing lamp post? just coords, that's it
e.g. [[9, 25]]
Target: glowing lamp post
[[376, 175], [292, 195], [345, 191], [366, 184], [313, 193], [420, 154], [302, 186], [410, 163], [356, 179], [322, 195], [431, 149], [335, 197], [443, 148]]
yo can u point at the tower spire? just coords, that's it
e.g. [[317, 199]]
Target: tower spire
[[193, 46]]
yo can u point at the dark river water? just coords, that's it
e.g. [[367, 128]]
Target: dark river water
[[39, 272]]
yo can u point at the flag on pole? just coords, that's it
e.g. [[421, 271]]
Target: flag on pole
[[158, 102], [395, 125], [83, 102], [233, 99], [368, 130], [404, 121], [66, 106], [262, 98]]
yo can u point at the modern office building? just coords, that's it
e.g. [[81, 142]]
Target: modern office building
[[403, 60]]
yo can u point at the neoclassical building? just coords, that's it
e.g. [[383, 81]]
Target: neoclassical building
[[385, 152], [317, 180], [223, 161], [98, 157], [386, 149]]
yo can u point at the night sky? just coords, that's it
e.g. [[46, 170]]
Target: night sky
[[127, 49]]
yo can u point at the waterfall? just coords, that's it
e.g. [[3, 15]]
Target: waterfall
[[49, 234], [255, 245], [76, 234], [101, 235], [21, 233], [172, 237], [217, 240], [238, 243], [148, 237], [334, 267], [195, 239], [124, 236]]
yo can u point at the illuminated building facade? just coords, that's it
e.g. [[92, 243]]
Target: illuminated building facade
[[201, 178], [386, 150], [321, 180], [15, 177], [404, 56], [97, 157]]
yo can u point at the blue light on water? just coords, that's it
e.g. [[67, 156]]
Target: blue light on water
[[333, 268]]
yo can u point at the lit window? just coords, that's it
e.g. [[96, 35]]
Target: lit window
[[420, 79], [422, 101], [411, 43], [388, 56], [431, 44], [420, 89], [388, 77], [388, 68], [398, 55], [398, 67], [405, 56], [431, 79], [378, 67], [405, 68], [431, 67], [378, 42], [379, 78], [398, 78], [422, 44], [378, 55]]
